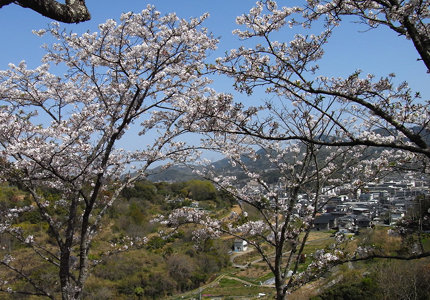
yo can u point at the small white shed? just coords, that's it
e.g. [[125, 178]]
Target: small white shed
[[240, 245]]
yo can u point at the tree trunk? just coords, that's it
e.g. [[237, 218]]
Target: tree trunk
[[280, 295], [64, 274], [279, 281]]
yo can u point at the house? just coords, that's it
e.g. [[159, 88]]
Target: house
[[330, 208], [362, 221], [396, 216], [359, 210], [347, 222], [240, 246], [325, 221]]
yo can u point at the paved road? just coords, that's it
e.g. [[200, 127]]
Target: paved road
[[238, 254]]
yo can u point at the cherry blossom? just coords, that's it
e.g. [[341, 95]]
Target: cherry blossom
[[335, 131], [61, 132]]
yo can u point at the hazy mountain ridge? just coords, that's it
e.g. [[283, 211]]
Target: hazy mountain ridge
[[223, 166]]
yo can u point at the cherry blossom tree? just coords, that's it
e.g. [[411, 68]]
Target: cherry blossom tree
[[326, 121], [73, 11], [61, 133], [363, 109]]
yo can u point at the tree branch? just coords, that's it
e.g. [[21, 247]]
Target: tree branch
[[5, 2], [74, 11]]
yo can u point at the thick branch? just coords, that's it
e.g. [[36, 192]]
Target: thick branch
[[5, 2], [74, 11], [421, 42]]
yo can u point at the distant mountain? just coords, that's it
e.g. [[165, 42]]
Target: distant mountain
[[425, 133], [223, 166], [172, 174]]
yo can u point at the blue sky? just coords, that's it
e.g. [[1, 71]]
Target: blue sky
[[378, 51], [19, 43]]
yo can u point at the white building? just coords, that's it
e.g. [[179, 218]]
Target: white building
[[240, 245]]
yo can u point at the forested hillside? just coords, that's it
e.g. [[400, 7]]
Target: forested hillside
[[162, 266]]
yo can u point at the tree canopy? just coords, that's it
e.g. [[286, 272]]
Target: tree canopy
[[61, 132], [151, 72]]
